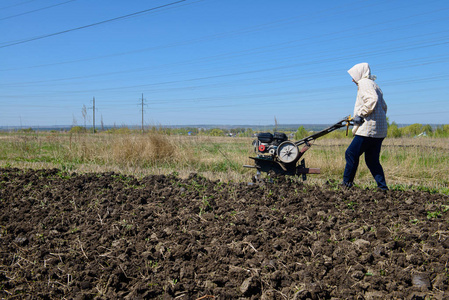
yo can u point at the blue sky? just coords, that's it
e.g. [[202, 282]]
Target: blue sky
[[218, 62]]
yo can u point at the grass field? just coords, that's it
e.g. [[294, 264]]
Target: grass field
[[421, 163]]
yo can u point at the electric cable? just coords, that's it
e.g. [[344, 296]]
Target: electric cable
[[92, 25], [35, 10], [215, 76], [233, 33], [17, 4]]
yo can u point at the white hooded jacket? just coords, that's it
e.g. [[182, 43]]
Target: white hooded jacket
[[369, 104]]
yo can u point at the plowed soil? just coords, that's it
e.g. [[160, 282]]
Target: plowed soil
[[111, 236]]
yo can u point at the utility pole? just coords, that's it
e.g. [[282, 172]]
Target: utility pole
[[142, 103], [94, 114], [84, 111]]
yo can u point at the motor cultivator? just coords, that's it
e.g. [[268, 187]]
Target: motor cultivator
[[276, 154]]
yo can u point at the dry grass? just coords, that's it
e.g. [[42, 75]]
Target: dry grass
[[418, 162], [406, 161]]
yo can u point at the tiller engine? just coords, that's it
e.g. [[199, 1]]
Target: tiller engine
[[276, 154]]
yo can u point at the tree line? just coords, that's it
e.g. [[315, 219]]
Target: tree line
[[394, 131]]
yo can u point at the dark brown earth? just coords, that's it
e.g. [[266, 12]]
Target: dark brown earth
[[111, 236]]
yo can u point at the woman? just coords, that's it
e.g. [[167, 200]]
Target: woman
[[370, 127]]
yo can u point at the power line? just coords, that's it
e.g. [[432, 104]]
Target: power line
[[91, 25], [321, 59], [17, 4], [185, 88], [35, 10], [280, 46], [250, 29]]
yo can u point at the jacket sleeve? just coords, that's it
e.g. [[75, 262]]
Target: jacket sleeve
[[369, 97]]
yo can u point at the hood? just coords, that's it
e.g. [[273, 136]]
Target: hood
[[360, 71]]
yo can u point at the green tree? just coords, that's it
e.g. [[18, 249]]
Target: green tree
[[412, 130], [441, 131], [301, 133], [27, 130], [427, 129], [394, 131], [216, 132], [78, 129], [248, 132]]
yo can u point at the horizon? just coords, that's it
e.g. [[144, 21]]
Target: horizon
[[198, 126]]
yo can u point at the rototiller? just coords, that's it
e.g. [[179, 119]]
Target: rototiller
[[276, 154]]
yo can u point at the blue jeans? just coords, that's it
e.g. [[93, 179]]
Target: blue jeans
[[371, 148]]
